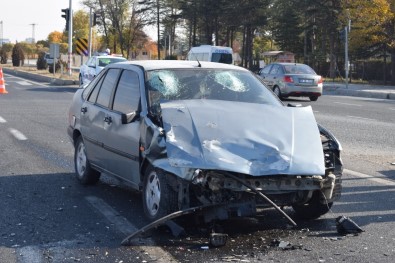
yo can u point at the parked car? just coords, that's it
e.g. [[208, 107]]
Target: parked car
[[94, 65], [292, 79], [189, 134], [48, 59]]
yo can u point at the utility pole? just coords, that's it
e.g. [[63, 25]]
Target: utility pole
[[33, 33], [347, 30], [70, 35]]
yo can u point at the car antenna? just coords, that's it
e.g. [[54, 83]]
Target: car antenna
[[199, 65]]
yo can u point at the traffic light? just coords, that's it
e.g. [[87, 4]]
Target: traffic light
[[66, 16], [96, 19]]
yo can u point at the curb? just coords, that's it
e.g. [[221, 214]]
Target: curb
[[40, 78], [380, 94]]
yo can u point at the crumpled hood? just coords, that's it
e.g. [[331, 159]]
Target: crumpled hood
[[247, 138]]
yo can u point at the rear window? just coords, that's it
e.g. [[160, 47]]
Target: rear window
[[222, 58], [298, 69]]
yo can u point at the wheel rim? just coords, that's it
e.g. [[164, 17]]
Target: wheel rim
[[152, 194], [81, 159]]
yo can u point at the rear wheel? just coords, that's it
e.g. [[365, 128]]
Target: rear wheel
[[277, 91], [313, 208], [314, 98], [85, 173], [159, 198]]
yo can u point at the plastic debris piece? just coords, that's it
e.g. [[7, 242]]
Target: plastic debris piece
[[218, 239], [345, 225]]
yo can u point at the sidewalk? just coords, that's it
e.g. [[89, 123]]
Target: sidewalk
[[48, 78], [360, 90]]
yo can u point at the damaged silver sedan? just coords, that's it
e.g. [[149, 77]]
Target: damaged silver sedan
[[200, 134]]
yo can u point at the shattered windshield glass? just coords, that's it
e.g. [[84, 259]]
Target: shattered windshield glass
[[211, 84]]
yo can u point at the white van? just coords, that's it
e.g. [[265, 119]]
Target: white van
[[211, 53]]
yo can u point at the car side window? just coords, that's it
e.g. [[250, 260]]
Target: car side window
[[127, 95], [266, 69], [275, 70], [107, 87]]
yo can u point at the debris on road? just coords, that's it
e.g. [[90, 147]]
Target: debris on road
[[218, 239], [345, 225]]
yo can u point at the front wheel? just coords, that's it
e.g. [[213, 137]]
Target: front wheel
[[85, 173], [81, 81], [313, 208], [159, 198]]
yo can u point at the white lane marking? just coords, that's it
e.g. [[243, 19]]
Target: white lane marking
[[23, 80], [24, 83], [348, 104], [392, 108], [30, 254], [362, 118], [366, 176], [17, 134], [127, 228], [2, 120]]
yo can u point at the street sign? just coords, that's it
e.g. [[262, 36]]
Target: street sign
[[81, 46], [54, 50]]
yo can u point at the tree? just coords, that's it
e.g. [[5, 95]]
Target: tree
[[4, 52], [55, 37], [18, 56], [80, 24], [372, 29]]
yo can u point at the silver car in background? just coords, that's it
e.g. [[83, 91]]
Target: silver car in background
[[292, 79]]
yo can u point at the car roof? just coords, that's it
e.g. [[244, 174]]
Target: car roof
[[175, 64], [108, 56], [288, 63]]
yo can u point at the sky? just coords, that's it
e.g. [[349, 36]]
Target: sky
[[17, 17]]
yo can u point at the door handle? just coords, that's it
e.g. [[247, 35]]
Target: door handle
[[107, 119], [84, 109]]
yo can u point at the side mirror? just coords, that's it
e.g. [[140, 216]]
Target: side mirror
[[129, 117]]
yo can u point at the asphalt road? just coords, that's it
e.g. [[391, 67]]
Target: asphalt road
[[48, 217]]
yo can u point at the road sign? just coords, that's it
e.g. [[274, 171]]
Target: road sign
[[81, 46], [54, 50]]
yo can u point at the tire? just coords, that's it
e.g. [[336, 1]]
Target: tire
[[277, 91], [159, 198], [81, 81], [85, 173], [313, 209], [313, 98]]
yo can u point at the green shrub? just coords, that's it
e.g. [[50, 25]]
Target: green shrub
[[59, 64], [41, 62], [18, 57], [3, 56]]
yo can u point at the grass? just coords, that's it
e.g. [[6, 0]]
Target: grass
[[44, 72]]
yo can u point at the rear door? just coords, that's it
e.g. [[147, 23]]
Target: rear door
[[93, 118], [275, 75], [122, 140]]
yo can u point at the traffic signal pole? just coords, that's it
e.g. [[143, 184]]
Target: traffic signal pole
[[346, 62], [90, 32], [70, 36]]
